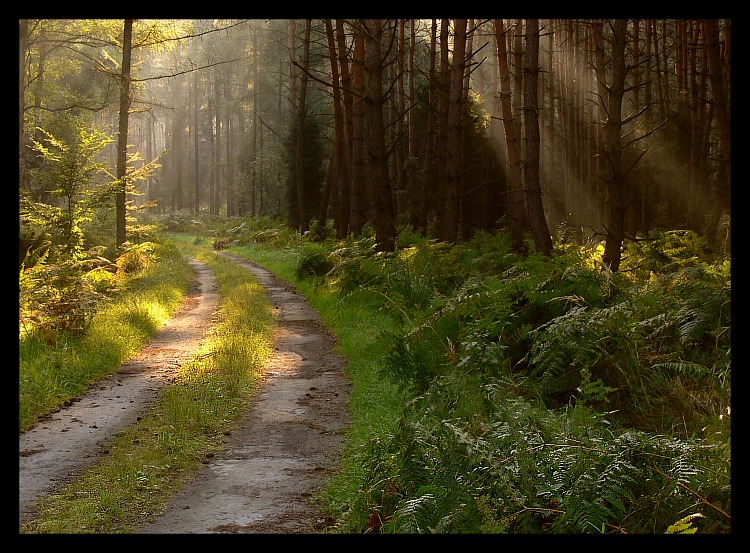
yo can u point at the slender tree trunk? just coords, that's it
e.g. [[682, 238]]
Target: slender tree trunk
[[612, 95], [412, 150], [256, 157], [441, 146], [231, 201], [697, 88], [358, 196], [512, 139], [539, 229], [400, 188], [218, 148], [176, 150], [212, 146], [345, 185], [385, 231], [453, 153], [304, 209], [428, 177], [335, 170], [463, 215], [122, 137], [196, 151], [23, 35]]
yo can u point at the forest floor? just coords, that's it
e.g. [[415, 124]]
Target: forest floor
[[274, 461]]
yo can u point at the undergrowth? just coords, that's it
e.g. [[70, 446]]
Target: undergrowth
[[547, 395]]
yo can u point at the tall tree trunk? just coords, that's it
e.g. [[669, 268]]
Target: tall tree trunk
[[721, 106], [385, 231], [512, 139], [304, 209], [196, 151], [697, 94], [23, 36], [122, 136], [256, 130], [612, 94], [453, 153], [400, 188], [440, 183], [719, 92], [176, 149], [358, 194], [212, 147], [218, 148], [428, 176], [347, 151], [412, 150], [539, 229], [231, 204], [334, 173]]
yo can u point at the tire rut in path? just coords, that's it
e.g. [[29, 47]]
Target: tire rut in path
[[279, 455], [67, 441]]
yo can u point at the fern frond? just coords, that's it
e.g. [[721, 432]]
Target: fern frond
[[684, 525], [694, 370]]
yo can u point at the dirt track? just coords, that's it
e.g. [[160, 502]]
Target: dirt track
[[274, 463]]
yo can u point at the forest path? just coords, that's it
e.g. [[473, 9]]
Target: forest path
[[66, 441], [264, 481], [274, 462]]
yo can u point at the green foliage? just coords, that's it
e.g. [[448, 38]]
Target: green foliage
[[492, 461], [180, 221], [684, 525], [666, 252], [135, 258], [543, 389], [540, 395], [67, 169], [313, 262]]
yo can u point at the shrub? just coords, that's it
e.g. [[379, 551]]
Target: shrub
[[313, 262]]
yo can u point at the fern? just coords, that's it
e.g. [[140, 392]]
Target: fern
[[684, 525]]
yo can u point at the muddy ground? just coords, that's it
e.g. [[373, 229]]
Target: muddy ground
[[275, 461]]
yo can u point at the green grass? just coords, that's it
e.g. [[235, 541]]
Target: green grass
[[150, 460]]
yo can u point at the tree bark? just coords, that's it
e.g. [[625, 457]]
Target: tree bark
[[611, 97], [385, 231], [412, 150], [334, 173], [358, 195], [304, 209], [229, 115], [428, 175], [539, 229], [256, 158], [453, 152], [719, 92], [512, 138], [345, 185], [122, 137], [400, 188], [218, 147], [196, 150]]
